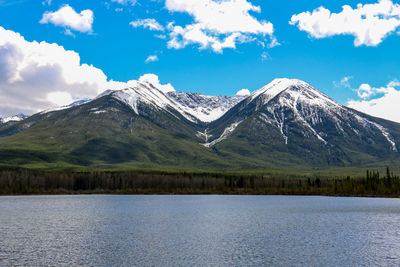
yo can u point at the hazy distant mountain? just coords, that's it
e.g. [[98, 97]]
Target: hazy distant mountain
[[285, 124], [12, 119]]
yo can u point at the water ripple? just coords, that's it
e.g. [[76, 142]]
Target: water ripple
[[199, 231]]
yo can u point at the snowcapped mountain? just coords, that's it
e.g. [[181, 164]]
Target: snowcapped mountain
[[193, 106], [289, 104], [14, 118], [73, 104], [206, 108], [284, 124], [291, 116]]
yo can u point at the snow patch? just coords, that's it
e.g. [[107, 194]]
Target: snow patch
[[205, 108], [386, 134], [74, 104], [227, 132], [14, 118], [99, 112], [276, 122], [243, 92], [204, 135], [276, 87]]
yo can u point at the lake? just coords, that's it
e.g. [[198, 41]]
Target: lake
[[204, 230]]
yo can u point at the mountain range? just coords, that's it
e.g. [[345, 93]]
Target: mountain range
[[287, 124]]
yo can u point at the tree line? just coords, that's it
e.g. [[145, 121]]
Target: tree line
[[23, 181]]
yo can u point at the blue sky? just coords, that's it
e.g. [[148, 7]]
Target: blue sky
[[324, 53]]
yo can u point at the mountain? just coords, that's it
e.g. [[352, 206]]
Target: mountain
[[12, 119], [287, 124], [138, 126], [293, 120], [203, 107], [194, 107]]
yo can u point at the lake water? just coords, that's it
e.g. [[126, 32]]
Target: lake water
[[102, 230]]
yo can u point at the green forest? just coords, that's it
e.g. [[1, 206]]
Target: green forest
[[15, 181]]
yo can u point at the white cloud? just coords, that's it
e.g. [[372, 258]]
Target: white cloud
[[160, 36], [243, 92], [69, 32], [125, 2], [35, 76], [154, 80], [385, 106], [365, 90], [67, 17], [223, 17], [265, 56], [46, 2], [151, 58], [369, 23], [150, 24], [216, 24], [394, 83], [119, 9], [60, 98], [344, 82]]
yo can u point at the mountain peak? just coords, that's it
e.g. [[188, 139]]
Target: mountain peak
[[193, 106], [277, 86], [288, 81]]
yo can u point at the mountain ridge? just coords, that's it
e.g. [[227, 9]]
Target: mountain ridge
[[285, 123]]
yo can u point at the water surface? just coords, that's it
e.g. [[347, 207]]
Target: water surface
[[207, 230]]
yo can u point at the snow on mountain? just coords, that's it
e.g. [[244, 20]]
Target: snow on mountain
[[290, 105], [243, 92], [278, 86], [205, 107], [14, 118], [193, 106], [227, 132], [289, 101], [144, 92], [76, 103]]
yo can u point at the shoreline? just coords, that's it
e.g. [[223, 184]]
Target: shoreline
[[28, 182], [197, 193]]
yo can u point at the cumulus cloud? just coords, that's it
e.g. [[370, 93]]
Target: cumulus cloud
[[68, 18], [60, 98], [217, 24], [154, 80], [151, 58], [35, 76], [38, 75], [369, 23], [243, 92], [150, 24], [379, 101], [366, 91]]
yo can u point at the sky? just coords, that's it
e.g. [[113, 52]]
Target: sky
[[53, 52]]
